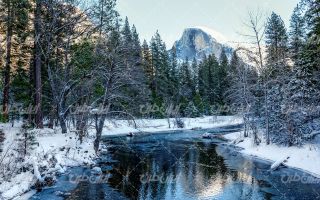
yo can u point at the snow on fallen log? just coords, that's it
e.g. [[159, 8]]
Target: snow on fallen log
[[220, 137], [238, 140], [36, 170], [277, 164]]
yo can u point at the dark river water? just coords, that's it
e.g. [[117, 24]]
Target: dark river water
[[183, 166]]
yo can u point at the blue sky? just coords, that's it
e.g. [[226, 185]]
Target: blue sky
[[171, 17]]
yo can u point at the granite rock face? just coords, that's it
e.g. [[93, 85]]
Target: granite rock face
[[196, 43]]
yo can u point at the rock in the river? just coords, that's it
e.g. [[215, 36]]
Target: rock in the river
[[46, 182], [130, 134], [206, 136], [96, 171]]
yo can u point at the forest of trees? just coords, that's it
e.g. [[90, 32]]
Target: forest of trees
[[79, 62]]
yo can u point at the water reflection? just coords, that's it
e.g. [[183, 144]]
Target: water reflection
[[172, 170]]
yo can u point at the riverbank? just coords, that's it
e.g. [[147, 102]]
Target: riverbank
[[305, 158], [53, 152], [123, 127]]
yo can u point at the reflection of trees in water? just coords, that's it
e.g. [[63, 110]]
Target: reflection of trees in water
[[183, 170], [203, 171]]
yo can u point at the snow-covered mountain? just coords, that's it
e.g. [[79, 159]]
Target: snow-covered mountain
[[199, 42]]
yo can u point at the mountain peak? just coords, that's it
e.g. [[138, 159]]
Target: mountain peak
[[198, 42], [219, 37]]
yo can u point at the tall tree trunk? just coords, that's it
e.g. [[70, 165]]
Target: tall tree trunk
[[60, 103], [7, 70], [81, 124], [37, 76], [51, 121], [63, 124], [62, 113], [99, 122], [99, 128], [31, 90], [258, 36], [267, 112], [1, 50]]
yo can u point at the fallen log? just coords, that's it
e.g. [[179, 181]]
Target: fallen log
[[238, 140], [278, 163]]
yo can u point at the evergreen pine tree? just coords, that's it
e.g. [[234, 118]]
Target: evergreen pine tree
[[136, 42], [302, 93], [297, 32], [313, 14], [186, 81], [127, 35], [161, 66], [222, 77], [276, 41], [195, 73], [191, 110], [313, 40], [208, 82], [105, 15], [20, 87], [275, 75], [302, 100], [174, 79], [147, 63], [14, 16]]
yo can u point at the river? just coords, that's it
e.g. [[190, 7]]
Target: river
[[180, 165]]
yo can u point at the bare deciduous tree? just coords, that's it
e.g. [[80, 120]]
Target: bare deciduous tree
[[255, 55], [63, 26]]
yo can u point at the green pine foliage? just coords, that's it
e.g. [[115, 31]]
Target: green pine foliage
[[27, 140], [20, 87], [277, 45], [297, 34], [191, 110]]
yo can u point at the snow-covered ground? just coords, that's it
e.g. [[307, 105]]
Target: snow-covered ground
[[305, 158], [120, 127], [54, 152]]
